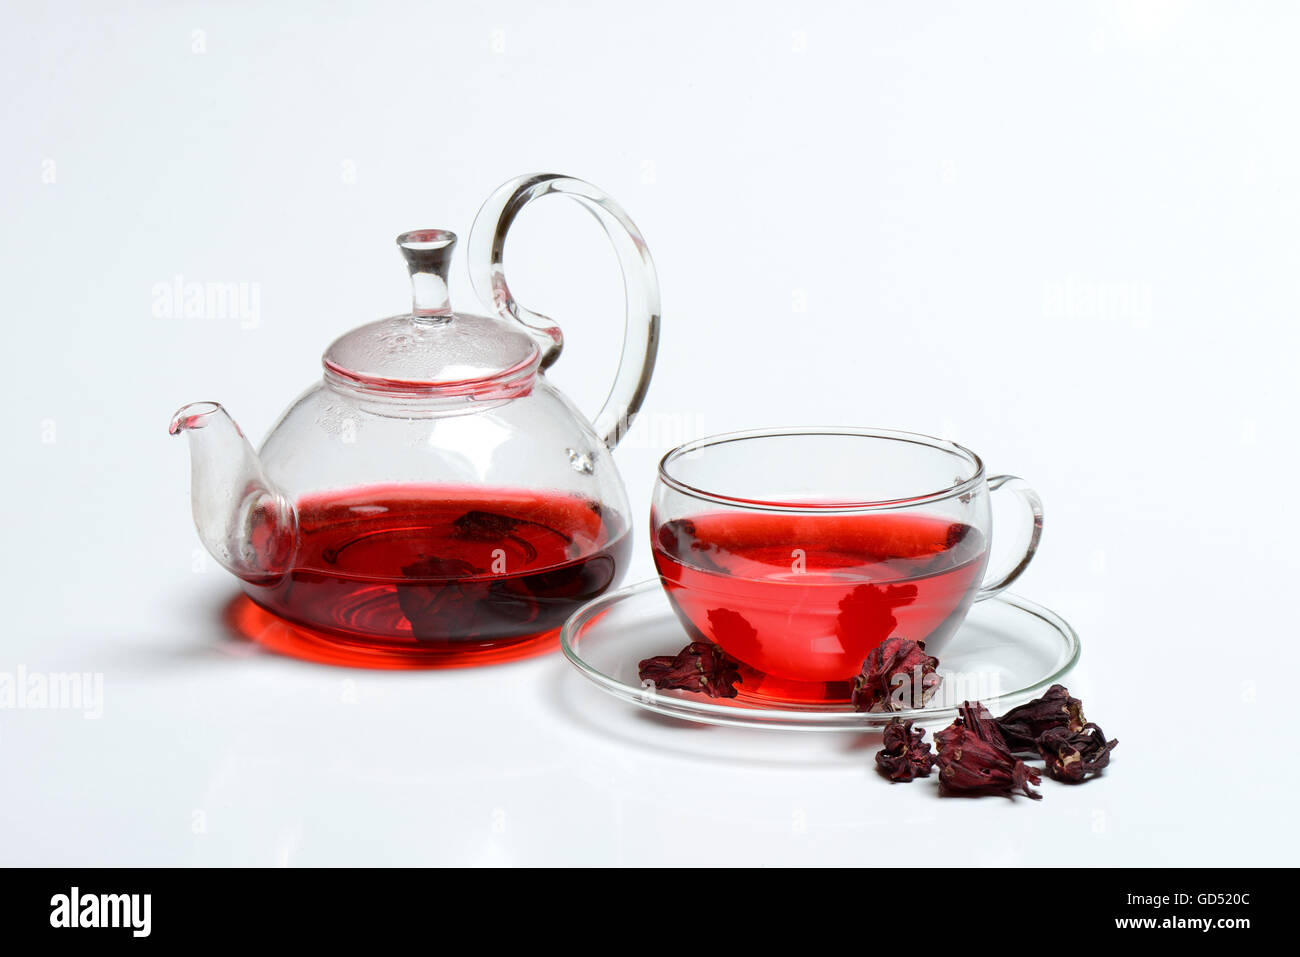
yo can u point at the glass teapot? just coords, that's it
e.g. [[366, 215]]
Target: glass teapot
[[434, 498]]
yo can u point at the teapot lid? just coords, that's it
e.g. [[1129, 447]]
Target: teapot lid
[[433, 350]]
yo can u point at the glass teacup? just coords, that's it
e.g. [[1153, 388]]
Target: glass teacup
[[798, 551]]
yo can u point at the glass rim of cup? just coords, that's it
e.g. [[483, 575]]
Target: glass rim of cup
[[919, 438]]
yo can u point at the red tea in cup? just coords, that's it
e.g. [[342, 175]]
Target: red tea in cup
[[798, 577]]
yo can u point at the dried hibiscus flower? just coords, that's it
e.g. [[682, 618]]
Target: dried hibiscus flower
[[969, 764], [1073, 755], [481, 526], [701, 666], [1022, 727], [436, 603], [905, 756], [979, 721], [897, 674]]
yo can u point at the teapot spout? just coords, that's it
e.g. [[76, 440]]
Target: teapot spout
[[248, 524]]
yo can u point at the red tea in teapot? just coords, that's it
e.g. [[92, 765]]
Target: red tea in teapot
[[802, 598], [438, 567]]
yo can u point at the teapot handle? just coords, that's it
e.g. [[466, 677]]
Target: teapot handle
[[487, 241]]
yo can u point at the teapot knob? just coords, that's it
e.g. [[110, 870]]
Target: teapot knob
[[428, 257]]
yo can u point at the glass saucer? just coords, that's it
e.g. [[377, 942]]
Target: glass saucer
[[1007, 651]]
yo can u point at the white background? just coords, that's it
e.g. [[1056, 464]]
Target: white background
[[1064, 234]]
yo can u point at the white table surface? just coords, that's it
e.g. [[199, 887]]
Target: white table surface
[[1066, 236]]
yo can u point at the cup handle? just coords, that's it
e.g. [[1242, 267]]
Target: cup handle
[[1034, 506]]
